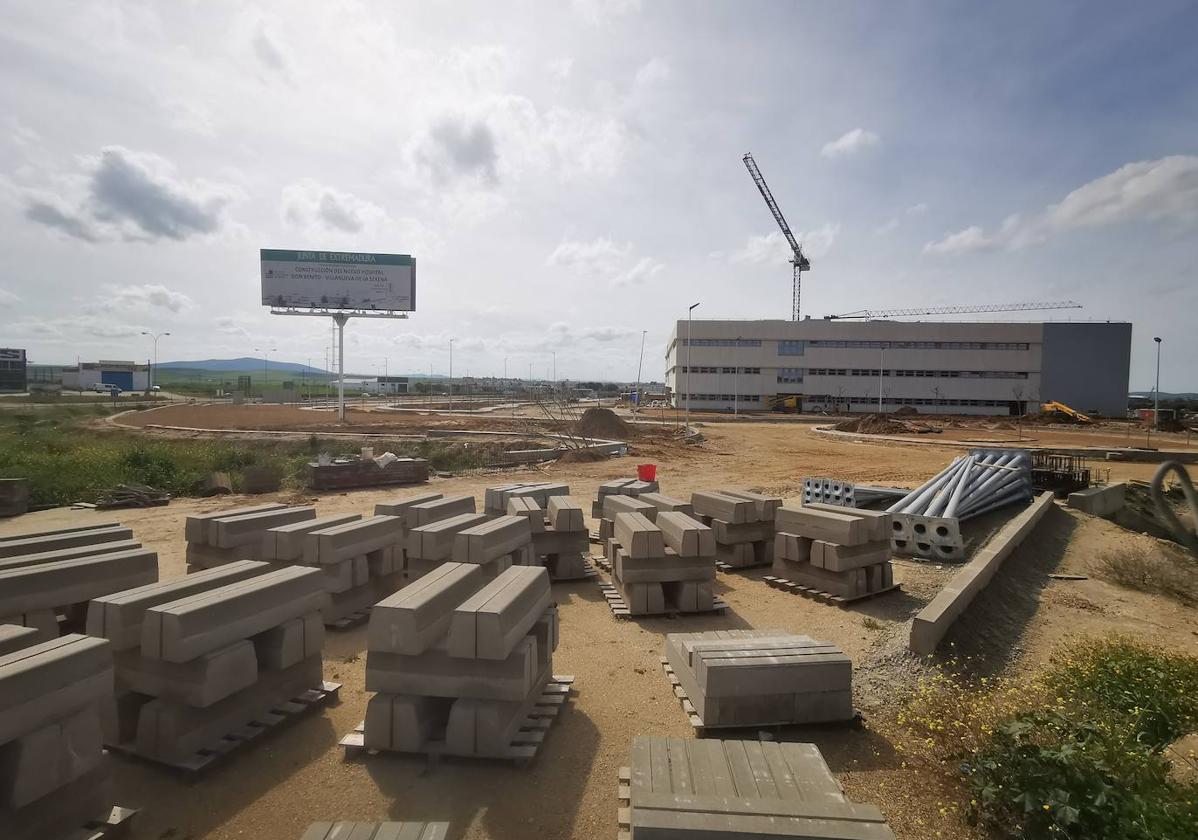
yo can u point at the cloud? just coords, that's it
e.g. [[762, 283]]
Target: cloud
[[602, 260], [892, 225], [309, 203], [147, 296], [850, 143], [602, 11], [773, 249], [461, 148], [134, 196], [8, 297], [1149, 190], [268, 51]]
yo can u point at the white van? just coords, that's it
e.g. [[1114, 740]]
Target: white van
[[106, 388]]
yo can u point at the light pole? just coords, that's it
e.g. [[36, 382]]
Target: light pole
[[156, 336], [881, 365], [554, 352], [639, 363], [689, 312], [451, 341], [265, 366], [736, 381], [1156, 408]]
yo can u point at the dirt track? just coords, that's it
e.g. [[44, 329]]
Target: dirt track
[[276, 789]]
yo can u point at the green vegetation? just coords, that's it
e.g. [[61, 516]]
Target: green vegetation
[[67, 461], [1161, 571], [1083, 751]]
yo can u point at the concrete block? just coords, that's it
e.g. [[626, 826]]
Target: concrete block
[[614, 488], [766, 506], [413, 619], [816, 523], [43, 623], [39, 763], [685, 535], [184, 629], [195, 527], [73, 553], [689, 595], [743, 533], [666, 504], [665, 569], [377, 831], [118, 617], [561, 542], [615, 505], [13, 637], [403, 722], [286, 542], [1100, 501], [246, 529], [174, 732], [487, 727], [290, 643], [877, 522], [55, 542], [437, 674], [437, 509], [490, 623], [541, 493], [353, 539], [725, 508], [48, 681], [642, 598], [24, 535], [565, 514], [737, 555], [491, 540], [637, 536], [528, 508], [843, 558], [435, 540], [400, 506], [68, 582], [205, 680], [63, 812], [793, 548]]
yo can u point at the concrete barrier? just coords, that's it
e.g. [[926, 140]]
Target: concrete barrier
[[936, 618], [1100, 501]]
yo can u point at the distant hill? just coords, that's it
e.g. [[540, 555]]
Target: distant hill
[[245, 364]]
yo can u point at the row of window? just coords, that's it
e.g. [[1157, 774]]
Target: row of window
[[873, 400], [923, 345], [745, 398], [791, 348], [720, 342], [951, 374], [751, 371], [790, 376]]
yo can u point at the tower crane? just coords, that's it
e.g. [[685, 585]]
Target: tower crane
[[955, 310], [799, 262]]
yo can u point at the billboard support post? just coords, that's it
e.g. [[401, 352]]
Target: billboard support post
[[340, 320]]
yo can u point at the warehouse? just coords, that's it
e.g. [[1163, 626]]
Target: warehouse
[[996, 368], [12, 370], [128, 376]]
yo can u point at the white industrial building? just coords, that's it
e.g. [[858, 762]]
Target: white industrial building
[[128, 376], [1001, 368]]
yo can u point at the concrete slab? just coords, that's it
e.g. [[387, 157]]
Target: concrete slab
[[195, 527], [734, 511], [685, 535], [565, 514], [55, 542], [67, 582]]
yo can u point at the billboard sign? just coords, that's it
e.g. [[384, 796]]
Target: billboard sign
[[11, 354], [338, 280]]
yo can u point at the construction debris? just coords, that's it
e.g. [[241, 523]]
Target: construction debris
[[132, 496]]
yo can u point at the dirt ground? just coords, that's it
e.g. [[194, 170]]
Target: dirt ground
[[299, 776]]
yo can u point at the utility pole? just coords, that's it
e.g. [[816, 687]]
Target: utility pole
[[689, 312], [154, 370], [554, 352], [881, 365], [265, 368], [736, 383], [1156, 409], [451, 341], [640, 362]]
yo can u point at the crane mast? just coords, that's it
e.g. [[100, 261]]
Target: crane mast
[[798, 261]]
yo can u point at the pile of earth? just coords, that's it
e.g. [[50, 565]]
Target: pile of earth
[[601, 423], [905, 411], [875, 424], [582, 456]]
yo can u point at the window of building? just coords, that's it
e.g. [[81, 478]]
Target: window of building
[[720, 342], [791, 348]]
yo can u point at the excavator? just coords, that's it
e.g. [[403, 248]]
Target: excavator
[[1060, 408]]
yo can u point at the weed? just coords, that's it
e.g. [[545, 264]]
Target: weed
[[871, 623], [1161, 572]]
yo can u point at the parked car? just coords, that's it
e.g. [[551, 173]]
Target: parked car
[[106, 388]]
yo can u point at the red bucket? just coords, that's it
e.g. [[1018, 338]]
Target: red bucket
[[646, 472]]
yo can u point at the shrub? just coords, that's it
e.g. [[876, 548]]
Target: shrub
[[1161, 572]]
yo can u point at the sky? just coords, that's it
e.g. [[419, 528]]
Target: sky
[[568, 175]]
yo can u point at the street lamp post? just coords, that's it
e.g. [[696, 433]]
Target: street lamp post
[[265, 366], [689, 312], [451, 341], [156, 336], [736, 381], [1156, 405], [881, 365], [639, 363]]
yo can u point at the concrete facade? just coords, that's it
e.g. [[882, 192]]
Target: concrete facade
[[998, 368], [128, 376]]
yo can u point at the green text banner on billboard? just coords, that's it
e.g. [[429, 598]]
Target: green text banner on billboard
[[338, 280]]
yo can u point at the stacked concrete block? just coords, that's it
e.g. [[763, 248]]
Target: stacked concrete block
[[214, 539], [743, 524], [613, 505], [198, 659], [843, 552], [687, 789], [667, 503], [760, 678], [428, 546], [285, 544], [621, 487], [377, 831], [49, 589], [458, 660], [54, 775], [667, 566], [496, 545], [496, 500], [563, 543], [361, 562]]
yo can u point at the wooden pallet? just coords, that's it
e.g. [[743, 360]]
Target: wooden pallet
[[591, 572], [724, 567], [688, 707], [821, 596], [116, 825], [624, 804], [350, 621], [521, 751], [619, 609], [279, 717], [602, 562]]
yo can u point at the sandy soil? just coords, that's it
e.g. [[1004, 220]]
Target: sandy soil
[[286, 782]]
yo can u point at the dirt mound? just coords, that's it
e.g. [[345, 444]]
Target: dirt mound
[[874, 424], [601, 423], [906, 411], [582, 456]]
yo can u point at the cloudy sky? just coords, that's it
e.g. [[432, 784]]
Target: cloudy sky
[[568, 174]]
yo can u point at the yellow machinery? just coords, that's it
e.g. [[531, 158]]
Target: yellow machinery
[[786, 402], [1061, 408]]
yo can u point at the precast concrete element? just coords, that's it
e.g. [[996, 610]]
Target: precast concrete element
[[73, 553], [246, 529], [638, 537], [613, 505], [1100, 501], [488, 624], [832, 551], [689, 789], [934, 620], [649, 578], [565, 514], [685, 535], [742, 524], [195, 527], [353, 539], [377, 831], [286, 542], [529, 509], [620, 487], [414, 618], [51, 586], [25, 535], [492, 541], [401, 506], [730, 509], [666, 504], [496, 499], [761, 678], [437, 509], [13, 637], [21, 545], [428, 546]]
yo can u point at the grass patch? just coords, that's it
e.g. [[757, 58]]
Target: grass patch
[[1080, 751], [1160, 571]]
